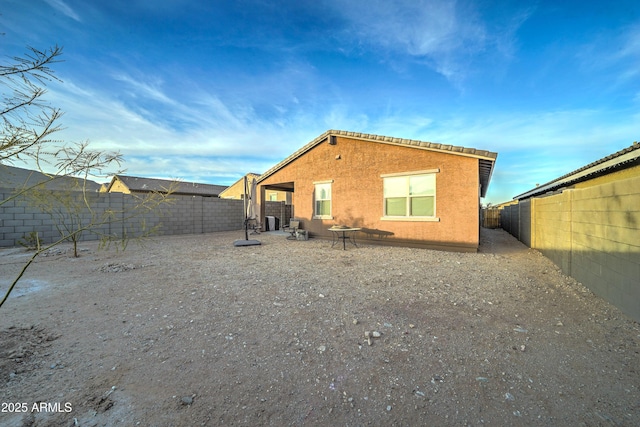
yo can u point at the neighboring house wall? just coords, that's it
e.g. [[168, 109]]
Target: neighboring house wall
[[593, 234], [186, 215], [237, 190], [354, 168], [277, 196], [119, 187]]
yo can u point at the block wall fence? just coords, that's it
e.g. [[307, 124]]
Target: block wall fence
[[280, 210], [592, 234], [185, 215]]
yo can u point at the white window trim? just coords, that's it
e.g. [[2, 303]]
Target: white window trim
[[410, 218], [328, 181]]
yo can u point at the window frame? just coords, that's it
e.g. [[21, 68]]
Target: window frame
[[407, 196], [316, 185]]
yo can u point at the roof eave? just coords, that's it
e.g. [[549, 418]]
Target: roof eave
[[485, 182], [408, 143]]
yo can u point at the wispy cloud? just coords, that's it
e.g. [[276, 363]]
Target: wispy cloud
[[617, 54], [630, 53], [220, 143], [445, 35], [64, 8], [632, 45], [146, 89]]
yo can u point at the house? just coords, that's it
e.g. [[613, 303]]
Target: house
[[133, 184], [399, 191], [237, 191]]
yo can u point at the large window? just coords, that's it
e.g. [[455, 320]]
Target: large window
[[322, 200], [410, 196]]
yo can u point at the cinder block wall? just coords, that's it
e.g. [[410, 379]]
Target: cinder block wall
[[186, 215], [505, 219], [280, 210], [524, 222], [593, 235], [515, 221], [606, 241], [552, 233]]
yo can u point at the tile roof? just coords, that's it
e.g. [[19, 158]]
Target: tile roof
[[138, 184], [618, 160], [487, 158], [14, 177]]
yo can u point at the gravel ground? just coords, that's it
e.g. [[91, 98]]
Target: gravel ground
[[190, 330]]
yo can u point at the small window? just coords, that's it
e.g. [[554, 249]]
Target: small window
[[410, 196], [273, 197], [322, 200]]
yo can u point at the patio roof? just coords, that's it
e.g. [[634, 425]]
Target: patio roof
[[486, 158]]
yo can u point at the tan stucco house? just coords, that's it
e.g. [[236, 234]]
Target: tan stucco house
[[399, 191]]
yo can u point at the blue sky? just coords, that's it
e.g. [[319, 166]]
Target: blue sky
[[209, 90]]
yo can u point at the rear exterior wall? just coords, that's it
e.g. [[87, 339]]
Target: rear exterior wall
[[355, 168]]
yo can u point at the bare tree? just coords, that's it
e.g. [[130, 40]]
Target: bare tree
[[28, 123], [27, 119]]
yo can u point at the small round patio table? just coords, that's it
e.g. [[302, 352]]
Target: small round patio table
[[345, 234]]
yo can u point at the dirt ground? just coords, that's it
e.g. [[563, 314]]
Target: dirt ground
[[190, 330]]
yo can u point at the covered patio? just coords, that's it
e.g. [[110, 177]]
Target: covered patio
[[282, 213]]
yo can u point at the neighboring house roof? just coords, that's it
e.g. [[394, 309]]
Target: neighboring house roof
[[624, 158], [138, 184], [487, 158], [13, 177]]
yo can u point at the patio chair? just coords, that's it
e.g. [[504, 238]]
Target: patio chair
[[293, 228]]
